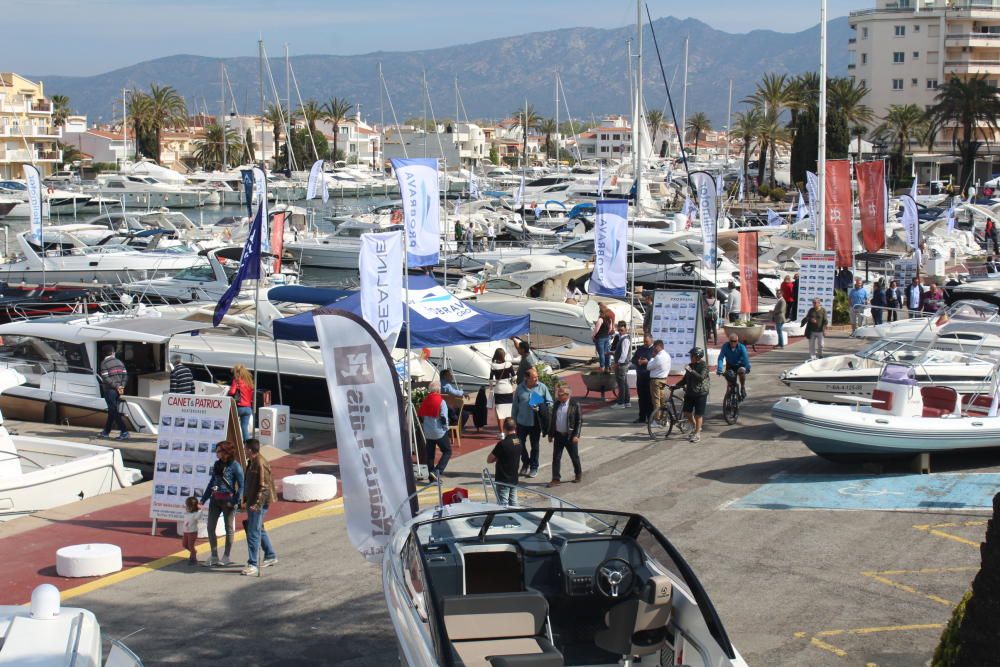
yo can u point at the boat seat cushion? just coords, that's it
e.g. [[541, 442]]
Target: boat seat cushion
[[494, 615], [978, 406], [882, 400], [939, 401], [514, 652]]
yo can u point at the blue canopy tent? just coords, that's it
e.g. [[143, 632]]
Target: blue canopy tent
[[437, 319], [318, 296]]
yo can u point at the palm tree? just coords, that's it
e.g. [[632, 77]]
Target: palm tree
[[654, 121], [138, 115], [771, 132], [698, 124], [527, 119], [336, 111], [774, 94], [971, 107], [166, 109], [70, 153], [310, 112], [60, 110], [548, 127], [275, 117], [845, 99], [901, 123], [208, 150], [745, 128], [859, 132]]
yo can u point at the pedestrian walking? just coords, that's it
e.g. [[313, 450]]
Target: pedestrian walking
[[470, 239], [788, 295], [564, 432], [711, 315], [696, 383], [257, 497], [491, 236], [528, 359], [601, 335], [858, 298], [223, 494], [795, 302], [914, 297], [621, 361], [992, 235], [879, 302], [241, 389], [733, 302], [647, 312], [181, 377], [658, 368], [433, 414], [113, 377], [893, 301], [778, 316], [502, 376], [643, 353], [932, 300], [189, 528], [815, 323], [531, 411], [507, 454]]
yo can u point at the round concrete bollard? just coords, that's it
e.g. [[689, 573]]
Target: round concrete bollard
[[309, 487], [88, 560], [769, 337]]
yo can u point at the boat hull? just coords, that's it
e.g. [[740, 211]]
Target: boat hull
[[839, 432]]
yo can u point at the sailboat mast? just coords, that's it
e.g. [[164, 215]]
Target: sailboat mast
[[684, 98], [821, 166], [222, 112], [637, 124], [557, 123], [260, 81], [729, 120]]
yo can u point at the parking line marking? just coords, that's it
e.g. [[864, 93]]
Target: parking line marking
[[817, 639]]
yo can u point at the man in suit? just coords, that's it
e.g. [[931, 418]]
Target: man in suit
[[564, 428], [914, 294]]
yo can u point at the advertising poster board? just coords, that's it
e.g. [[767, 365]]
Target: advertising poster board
[[678, 321], [190, 428], [817, 271], [904, 271]]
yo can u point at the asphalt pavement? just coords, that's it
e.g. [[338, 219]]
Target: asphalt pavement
[[793, 586]]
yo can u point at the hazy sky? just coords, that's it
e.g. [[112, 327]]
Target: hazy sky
[[92, 36]]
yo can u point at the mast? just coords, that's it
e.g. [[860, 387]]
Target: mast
[[729, 121], [288, 106], [260, 80], [684, 99], [222, 112], [821, 166], [124, 127], [637, 125], [557, 122]]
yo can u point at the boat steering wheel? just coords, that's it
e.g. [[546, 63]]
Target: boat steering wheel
[[614, 577]]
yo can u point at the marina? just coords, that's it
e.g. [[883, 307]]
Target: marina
[[287, 381]]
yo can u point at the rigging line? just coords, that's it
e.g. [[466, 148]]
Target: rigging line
[[673, 113], [298, 94], [291, 164], [430, 104], [236, 110], [572, 124], [392, 108]]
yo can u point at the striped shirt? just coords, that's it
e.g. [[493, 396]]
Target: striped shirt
[[181, 380]]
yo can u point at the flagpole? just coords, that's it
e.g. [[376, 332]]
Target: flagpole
[[821, 161]]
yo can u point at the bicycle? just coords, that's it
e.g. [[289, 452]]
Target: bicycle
[[731, 401], [663, 420]]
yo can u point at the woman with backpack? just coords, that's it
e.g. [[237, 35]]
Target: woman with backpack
[[223, 494], [241, 389]]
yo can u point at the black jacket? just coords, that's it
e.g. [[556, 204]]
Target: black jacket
[[574, 420]]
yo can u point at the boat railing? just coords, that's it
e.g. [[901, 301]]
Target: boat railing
[[489, 483]]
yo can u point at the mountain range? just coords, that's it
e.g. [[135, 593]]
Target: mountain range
[[494, 77]]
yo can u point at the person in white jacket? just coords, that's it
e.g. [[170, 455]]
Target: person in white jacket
[[659, 369]]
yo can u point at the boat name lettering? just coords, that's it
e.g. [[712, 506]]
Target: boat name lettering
[[358, 409], [195, 402]]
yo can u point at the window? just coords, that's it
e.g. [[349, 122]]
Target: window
[[932, 57], [898, 57], [897, 84], [914, 82], [932, 84], [864, 58], [864, 33], [900, 30], [604, 149], [916, 55], [916, 28]]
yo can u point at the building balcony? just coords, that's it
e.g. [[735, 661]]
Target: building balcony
[[970, 66], [28, 156], [40, 106], [851, 66], [15, 155], [973, 39], [852, 40], [49, 156], [31, 131]]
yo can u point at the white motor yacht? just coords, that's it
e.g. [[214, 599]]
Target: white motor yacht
[[54, 201], [924, 328], [547, 584], [67, 258], [46, 634], [339, 250], [39, 473], [136, 191]]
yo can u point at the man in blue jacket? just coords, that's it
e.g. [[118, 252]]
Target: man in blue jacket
[[736, 360]]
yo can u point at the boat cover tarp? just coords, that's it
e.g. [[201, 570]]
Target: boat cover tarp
[[318, 296], [437, 318]]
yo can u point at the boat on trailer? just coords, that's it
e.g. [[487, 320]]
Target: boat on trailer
[[482, 584]]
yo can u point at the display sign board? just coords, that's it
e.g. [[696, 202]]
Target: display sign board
[[190, 428], [904, 271], [817, 272], [678, 322]]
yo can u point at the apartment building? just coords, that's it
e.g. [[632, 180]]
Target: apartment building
[[903, 49], [27, 135]]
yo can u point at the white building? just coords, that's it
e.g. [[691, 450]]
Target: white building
[[461, 144], [611, 140]]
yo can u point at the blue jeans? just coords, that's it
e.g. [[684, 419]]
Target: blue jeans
[[603, 346], [245, 414], [529, 435], [257, 536], [777, 328], [506, 495]]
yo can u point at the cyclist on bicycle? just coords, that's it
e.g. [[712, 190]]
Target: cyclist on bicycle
[[695, 384], [736, 360]]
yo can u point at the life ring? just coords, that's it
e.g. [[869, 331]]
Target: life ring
[[397, 217]]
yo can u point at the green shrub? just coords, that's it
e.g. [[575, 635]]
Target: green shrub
[[763, 191], [946, 653], [841, 307], [777, 194], [547, 378]]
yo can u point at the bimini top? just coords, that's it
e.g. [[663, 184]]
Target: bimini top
[[154, 330]]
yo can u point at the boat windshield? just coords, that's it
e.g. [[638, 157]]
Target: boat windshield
[[975, 311], [565, 522], [892, 350], [202, 273]]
